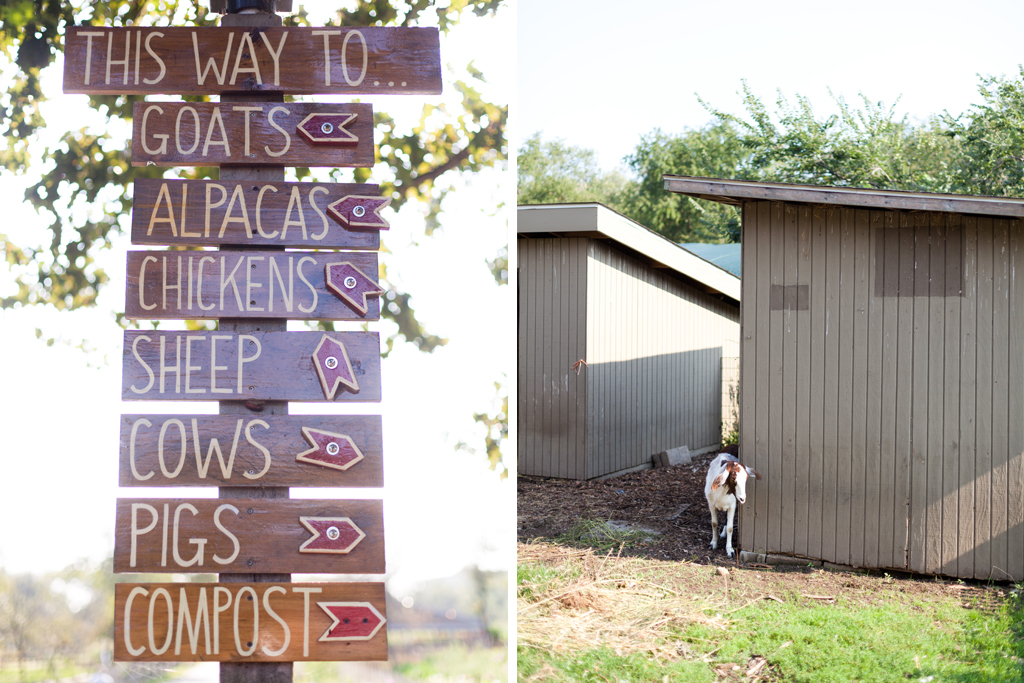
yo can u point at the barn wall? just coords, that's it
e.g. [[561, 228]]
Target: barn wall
[[552, 336], [654, 349], [882, 364]]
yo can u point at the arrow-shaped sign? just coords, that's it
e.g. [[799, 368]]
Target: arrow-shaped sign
[[337, 451], [359, 212], [330, 535], [328, 129], [352, 285], [352, 621], [333, 367]]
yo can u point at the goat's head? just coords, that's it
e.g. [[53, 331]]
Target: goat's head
[[734, 478]]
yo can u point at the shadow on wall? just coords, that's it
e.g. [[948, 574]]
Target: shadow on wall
[[613, 416]]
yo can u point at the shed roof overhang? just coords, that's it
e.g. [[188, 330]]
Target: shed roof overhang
[[736, 192], [597, 221]]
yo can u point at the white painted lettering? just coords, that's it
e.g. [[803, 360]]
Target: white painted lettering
[[163, 69], [131, 449], [287, 137], [242, 360], [224, 530], [136, 531], [162, 137], [199, 542], [188, 364], [308, 283], [160, 448], [262, 449], [219, 74], [149, 371]]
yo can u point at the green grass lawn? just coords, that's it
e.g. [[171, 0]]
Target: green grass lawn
[[588, 617]]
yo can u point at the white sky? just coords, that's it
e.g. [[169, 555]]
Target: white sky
[[60, 407], [602, 73]]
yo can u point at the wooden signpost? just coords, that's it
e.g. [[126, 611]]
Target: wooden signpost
[[214, 60], [257, 213], [249, 536], [255, 621], [252, 451], [297, 285], [251, 133]]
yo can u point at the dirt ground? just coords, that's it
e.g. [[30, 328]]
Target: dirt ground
[[671, 502]]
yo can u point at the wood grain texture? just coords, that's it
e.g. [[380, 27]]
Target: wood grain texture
[[251, 366], [214, 60], [241, 462], [249, 133], [240, 622], [268, 532], [253, 213], [176, 285]]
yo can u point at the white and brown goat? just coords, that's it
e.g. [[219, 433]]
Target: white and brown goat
[[726, 488]]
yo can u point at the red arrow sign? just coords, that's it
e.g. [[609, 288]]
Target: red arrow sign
[[330, 535], [333, 367], [328, 129], [352, 621], [337, 451], [359, 212], [352, 285]]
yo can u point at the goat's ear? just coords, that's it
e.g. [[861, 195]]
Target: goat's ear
[[751, 472], [719, 480]]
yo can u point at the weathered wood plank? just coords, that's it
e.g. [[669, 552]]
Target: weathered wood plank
[[951, 396], [251, 133], [1000, 398], [817, 278], [249, 622], [936, 382], [858, 426], [762, 339], [271, 450], [802, 485], [776, 365], [212, 60], [237, 535], [255, 213], [904, 392], [788, 323], [748, 365], [1015, 405], [919, 443], [875, 378], [847, 330], [257, 366], [983, 395], [966, 399], [164, 285], [888, 247], [833, 333]]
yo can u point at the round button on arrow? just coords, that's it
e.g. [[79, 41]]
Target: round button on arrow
[[359, 211], [331, 362], [333, 448], [333, 533], [327, 128]]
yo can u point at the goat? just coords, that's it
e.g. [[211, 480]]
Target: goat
[[726, 488]]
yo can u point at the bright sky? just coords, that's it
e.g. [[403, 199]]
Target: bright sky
[[60, 407], [601, 74]]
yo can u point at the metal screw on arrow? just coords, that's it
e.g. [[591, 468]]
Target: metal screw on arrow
[[331, 362], [350, 282], [333, 448], [327, 128], [333, 533], [359, 211]]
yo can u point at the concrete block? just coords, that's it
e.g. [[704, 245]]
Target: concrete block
[[673, 457]]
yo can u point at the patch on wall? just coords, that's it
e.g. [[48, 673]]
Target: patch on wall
[[789, 298], [919, 282]]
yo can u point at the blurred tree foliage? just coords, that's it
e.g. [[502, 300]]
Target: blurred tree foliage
[[978, 152], [85, 186]]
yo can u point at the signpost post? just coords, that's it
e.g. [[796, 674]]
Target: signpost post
[[254, 620]]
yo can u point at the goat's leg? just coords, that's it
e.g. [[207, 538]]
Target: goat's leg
[[714, 527], [728, 527]]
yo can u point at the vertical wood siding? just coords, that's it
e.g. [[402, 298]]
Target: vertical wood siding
[[654, 349], [888, 416]]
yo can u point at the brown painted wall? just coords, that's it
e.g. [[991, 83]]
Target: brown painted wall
[[884, 405]]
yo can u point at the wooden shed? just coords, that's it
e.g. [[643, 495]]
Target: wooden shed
[[649, 321], [882, 376]]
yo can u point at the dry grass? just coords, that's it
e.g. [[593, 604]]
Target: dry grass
[[594, 600]]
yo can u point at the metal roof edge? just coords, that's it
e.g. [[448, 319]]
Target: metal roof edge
[[640, 238], [718, 189]]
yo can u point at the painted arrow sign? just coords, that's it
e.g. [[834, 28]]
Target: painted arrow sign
[[249, 622], [352, 285], [254, 366], [328, 128], [360, 212], [249, 535], [213, 60], [330, 449], [255, 213], [334, 367], [250, 133], [331, 535], [169, 285], [352, 621], [252, 451]]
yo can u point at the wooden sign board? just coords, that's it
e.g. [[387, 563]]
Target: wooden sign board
[[212, 60], [252, 284], [252, 366], [249, 535], [256, 213], [249, 622], [256, 450], [251, 133]]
